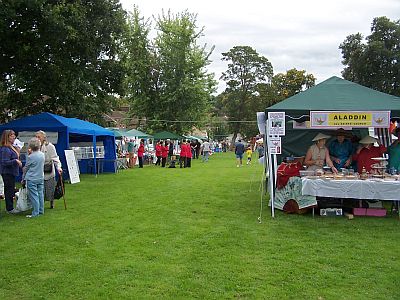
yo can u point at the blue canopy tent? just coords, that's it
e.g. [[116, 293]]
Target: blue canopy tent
[[70, 130]]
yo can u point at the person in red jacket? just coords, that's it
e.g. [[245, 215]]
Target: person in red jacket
[[182, 154], [164, 153], [189, 154], [159, 152], [141, 153], [366, 152]]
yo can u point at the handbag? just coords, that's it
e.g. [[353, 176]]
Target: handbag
[[23, 202], [48, 167], [59, 190]]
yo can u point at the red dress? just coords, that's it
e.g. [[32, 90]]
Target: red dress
[[140, 151], [158, 150], [364, 157], [164, 153]]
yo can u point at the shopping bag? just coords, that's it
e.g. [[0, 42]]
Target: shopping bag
[[23, 202], [59, 190]]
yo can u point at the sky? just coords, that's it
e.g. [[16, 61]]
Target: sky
[[291, 34]]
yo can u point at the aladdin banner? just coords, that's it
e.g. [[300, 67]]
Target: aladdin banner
[[356, 119]]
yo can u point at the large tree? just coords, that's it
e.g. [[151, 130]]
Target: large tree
[[175, 86], [374, 62], [246, 71], [60, 56]]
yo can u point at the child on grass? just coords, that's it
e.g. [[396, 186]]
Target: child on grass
[[33, 177], [249, 152]]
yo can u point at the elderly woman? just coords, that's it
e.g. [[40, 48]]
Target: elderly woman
[[366, 152], [318, 154], [51, 165], [9, 167]]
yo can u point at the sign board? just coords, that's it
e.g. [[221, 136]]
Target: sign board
[[275, 145], [358, 119], [73, 167], [276, 122], [25, 136], [306, 125]]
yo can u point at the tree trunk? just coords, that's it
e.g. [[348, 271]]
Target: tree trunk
[[233, 141]]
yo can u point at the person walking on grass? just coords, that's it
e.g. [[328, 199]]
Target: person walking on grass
[[206, 150], [33, 177], [239, 150], [249, 153]]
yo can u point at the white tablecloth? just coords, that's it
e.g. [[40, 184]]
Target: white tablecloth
[[359, 189]]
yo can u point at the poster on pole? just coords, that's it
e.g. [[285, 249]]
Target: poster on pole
[[276, 121], [275, 145], [73, 168]]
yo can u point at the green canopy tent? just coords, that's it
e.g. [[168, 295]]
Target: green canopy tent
[[333, 94], [118, 132], [137, 134], [164, 135]]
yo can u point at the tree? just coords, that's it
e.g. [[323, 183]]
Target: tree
[[246, 71], [291, 83], [60, 56], [375, 62], [175, 65]]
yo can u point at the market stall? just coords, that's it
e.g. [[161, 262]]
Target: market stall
[[332, 104]]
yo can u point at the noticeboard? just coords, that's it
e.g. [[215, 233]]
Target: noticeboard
[[276, 123]]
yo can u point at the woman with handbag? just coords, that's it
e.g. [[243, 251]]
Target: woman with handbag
[[9, 167], [52, 164]]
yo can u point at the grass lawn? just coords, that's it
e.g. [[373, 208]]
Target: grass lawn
[[192, 233]]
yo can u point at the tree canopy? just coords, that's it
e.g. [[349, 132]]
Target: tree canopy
[[168, 80], [374, 62], [60, 56]]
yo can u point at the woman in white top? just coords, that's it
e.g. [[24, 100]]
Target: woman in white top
[[54, 164], [318, 154]]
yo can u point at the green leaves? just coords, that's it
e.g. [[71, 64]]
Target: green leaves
[[167, 77], [374, 62], [60, 56]]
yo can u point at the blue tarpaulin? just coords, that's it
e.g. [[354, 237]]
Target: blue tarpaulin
[[70, 130]]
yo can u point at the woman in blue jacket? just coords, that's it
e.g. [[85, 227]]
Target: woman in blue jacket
[[9, 167]]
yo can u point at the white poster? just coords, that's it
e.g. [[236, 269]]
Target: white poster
[[73, 167], [275, 145], [276, 122]]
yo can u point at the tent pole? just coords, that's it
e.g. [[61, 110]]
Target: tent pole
[[94, 155], [271, 172]]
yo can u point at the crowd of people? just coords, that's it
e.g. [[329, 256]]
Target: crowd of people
[[38, 174], [165, 152], [343, 153]]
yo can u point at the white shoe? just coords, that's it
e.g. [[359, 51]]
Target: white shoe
[[13, 212], [237, 166]]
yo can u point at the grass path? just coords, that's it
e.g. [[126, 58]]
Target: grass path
[[192, 233]]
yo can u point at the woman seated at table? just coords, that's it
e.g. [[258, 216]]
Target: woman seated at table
[[366, 152], [318, 154]]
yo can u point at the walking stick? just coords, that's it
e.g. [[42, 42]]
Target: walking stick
[[62, 187]]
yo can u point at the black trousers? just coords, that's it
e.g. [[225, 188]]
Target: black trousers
[[182, 162], [163, 162], [9, 190], [158, 160], [140, 161], [188, 162]]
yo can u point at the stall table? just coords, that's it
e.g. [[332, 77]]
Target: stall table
[[373, 189]]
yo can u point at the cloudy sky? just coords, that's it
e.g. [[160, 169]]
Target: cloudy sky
[[292, 34]]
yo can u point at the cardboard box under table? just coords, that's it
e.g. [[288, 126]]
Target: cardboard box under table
[[354, 189]]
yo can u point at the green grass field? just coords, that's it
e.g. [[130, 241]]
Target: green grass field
[[157, 233]]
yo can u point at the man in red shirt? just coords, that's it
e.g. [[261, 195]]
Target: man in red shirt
[[366, 152], [164, 153]]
